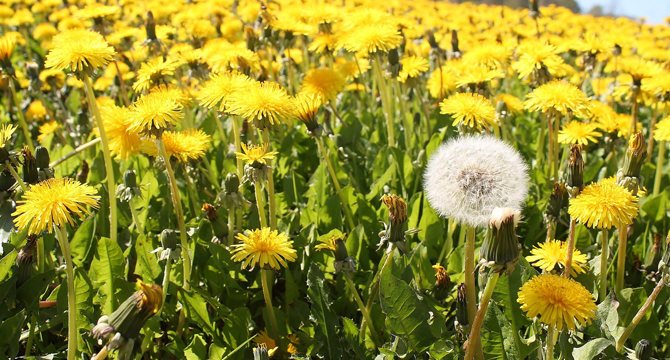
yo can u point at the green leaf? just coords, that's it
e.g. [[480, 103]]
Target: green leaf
[[31, 291], [407, 314], [10, 331], [325, 319], [607, 315], [510, 341], [84, 299], [147, 262], [6, 264], [197, 349], [236, 327], [107, 266], [351, 333], [6, 220], [196, 311], [81, 241], [591, 349]]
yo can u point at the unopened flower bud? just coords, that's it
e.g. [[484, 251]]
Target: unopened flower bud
[[129, 189], [232, 183], [500, 249], [574, 179], [501, 109], [82, 175], [30, 174], [25, 260], [343, 262], [6, 181], [430, 37], [218, 226], [557, 201], [629, 175], [643, 350], [169, 248], [654, 254], [442, 283], [454, 42], [33, 71], [394, 231], [462, 305], [151, 27], [42, 157]]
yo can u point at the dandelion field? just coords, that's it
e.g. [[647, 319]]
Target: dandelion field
[[331, 180]]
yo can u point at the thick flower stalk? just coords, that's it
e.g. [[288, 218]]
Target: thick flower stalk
[[574, 184]]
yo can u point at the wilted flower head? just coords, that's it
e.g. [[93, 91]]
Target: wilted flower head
[[467, 177]]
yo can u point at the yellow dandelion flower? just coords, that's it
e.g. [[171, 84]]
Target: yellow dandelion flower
[[256, 155], [154, 112], [662, 130], [54, 202], [291, 349], [150, 73], [264, 247], [638, 68], [601, 112], [324, 83], [185, 145], [171, 91], [323, 43], [52, 79], [36, 111], [604, 205], [492, 55], [412, 67], [219, 88], [514, 104], [373, 37], [263, 338], [558, 301], [548, 255], [576, 132], [47, 129], [80, 50], [559, 96], [536, 56], [6, 132], [441, 82], [478, 74], [122, 143], [469, 109], [262, 102], [642, 191], [7, 47], [351, 69], [93, 11]]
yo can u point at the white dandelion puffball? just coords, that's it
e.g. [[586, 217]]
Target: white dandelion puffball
[[468, 177]]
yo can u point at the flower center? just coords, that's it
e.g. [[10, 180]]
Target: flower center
[[475, 181]]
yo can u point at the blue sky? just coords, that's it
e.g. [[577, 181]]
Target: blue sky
[[654, 10]]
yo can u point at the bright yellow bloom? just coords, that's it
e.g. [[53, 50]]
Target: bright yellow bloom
[[122, 143], [477, 74], [412, 66], [255, 155], [662, 131], [53, 202], [492, 55], [603, 205], [638, 68], [548, 255], [559, 96], [171, 91], [441, 82], [154, 112], [7, 46], [469, 109], [150, 73], [266, 101], [373, 37], [642, 191], [514, 104], [52, 79], [323, 43], [324, 83], [307, 106], [265, 247], [576, 132], [558, 301], [351, 69], [80, 50], [6, 132], [536, 56], [36, 111], [185, 145], [219, 88], [46, 129], [95, 10], [264, 338]]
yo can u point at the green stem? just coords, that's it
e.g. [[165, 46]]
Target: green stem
[[640, 314], [621, 263], [40, 255], [551, 341], [650, 142], [109, 168], [550, 157], [166, 280], [471, 291], [571, 248], [176, 201], [474, 341], [22, 118], [336, 183], [260, 204], [76, 151], [449, 243], [17, 177], [633, 120], [265, 274], [386, 99], [271, 188], [238, 146], [604, 255], [386, 262], [71, 300], [659, 167], [231, 226], [364, 310], [539, 153], [31, 334], [136, 218]]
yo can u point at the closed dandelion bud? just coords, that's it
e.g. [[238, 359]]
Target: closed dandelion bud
[[250, 38], [42, 157], [151, 28], [25, 260], [462, 305], [394, 232], [218, 226], [169, 248], [557, 201], [232, 183], [430, 37], [500, 249], [6, 181], [343, 262], [394, 62], [643, 350], [129, 188], [82, 175], [123, 326], [30, 174], [534, 8], [442, 283], [654, 254], [574, 179], [33, 72], [454, 42], [501, 109], [629, 174]]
